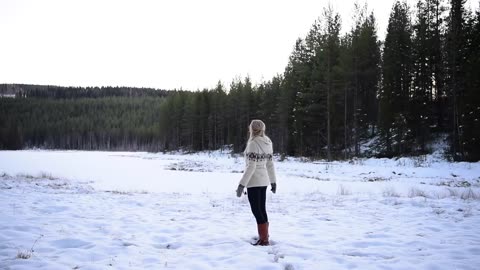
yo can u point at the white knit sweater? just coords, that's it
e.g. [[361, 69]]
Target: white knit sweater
[[259, 170]]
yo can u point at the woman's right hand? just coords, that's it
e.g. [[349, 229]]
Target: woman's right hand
[[240, 190]]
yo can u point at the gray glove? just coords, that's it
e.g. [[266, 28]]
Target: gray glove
[[240, 190], [274, 187]]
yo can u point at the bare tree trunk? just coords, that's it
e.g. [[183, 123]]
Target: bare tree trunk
[[355, 111], [345, 123], [329, 154]]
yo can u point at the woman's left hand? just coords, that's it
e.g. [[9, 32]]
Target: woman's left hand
[[274, 188]]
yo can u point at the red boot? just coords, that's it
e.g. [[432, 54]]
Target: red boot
[[262, 235]]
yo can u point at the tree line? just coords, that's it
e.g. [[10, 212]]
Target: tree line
[[109, 123], [59, 92], [340, 96]]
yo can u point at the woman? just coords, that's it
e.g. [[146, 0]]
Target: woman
[[259, 173]]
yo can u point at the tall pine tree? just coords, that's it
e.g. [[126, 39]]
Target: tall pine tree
[[394, 108]]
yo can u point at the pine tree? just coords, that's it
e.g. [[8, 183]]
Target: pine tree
[[436, 10], [422, 94], [394, 108], [216, 118], [333, 77], [323, 96], [470, 111], [290, 104], [266, 95], [365, 75], [348, 70], [456, 56]]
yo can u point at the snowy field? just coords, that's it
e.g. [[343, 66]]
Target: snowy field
[[120, 210]]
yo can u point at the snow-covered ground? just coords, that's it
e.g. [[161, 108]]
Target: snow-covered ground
[[122, 210]]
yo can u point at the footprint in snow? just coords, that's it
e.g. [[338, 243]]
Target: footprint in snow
[[164, 242], [167, 246]]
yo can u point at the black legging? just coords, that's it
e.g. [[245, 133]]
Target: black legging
[[257, 197]]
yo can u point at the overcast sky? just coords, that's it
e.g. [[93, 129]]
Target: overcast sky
[[160, 44]]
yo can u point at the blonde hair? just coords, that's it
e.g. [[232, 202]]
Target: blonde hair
[[256, 128]]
